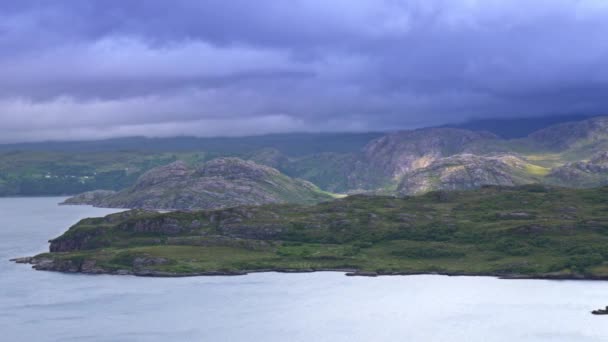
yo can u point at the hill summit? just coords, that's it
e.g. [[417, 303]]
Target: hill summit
[[219, 183]]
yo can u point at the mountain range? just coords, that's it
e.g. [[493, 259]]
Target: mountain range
[[412, 162], [483, 205], [570, 154]]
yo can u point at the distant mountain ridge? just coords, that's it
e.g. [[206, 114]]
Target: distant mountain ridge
[[422, 159], [392, 163], [519, 127], [294, 144], [297, 143]]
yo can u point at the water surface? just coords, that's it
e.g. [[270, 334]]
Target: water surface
[[47, 306]]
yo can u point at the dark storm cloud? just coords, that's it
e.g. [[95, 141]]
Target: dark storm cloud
[[86, 69]]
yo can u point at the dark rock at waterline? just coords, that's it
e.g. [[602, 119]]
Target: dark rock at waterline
[[24, 260], [362, 274]]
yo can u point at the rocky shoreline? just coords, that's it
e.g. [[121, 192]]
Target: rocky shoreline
[[89, 267]]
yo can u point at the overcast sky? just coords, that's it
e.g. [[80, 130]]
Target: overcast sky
[[92, 69]]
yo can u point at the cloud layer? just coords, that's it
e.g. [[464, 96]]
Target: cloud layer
[[76, 69]]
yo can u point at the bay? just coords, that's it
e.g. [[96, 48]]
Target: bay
[[325, 306]]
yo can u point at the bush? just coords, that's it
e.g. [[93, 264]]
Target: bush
[[428, 253], [580, 263], [124, 259], [363, 244], [512, 247]]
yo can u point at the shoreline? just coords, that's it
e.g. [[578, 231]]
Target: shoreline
[[50, 266], [34, 196]]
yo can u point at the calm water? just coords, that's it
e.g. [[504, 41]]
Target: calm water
[[45, 306]]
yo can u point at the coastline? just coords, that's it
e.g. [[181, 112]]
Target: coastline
[[51, 266]]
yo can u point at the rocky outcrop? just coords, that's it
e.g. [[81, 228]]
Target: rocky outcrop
[[600, 311], [219, 183], [401, 152], [383, 161], [165, 225], [466, 171], [205, 228], [583, 173], [386, 160], [89, 197]]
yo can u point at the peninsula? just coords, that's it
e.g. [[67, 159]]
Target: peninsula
[[529, 231]]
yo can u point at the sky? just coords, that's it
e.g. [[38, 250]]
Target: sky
[[78, 69]]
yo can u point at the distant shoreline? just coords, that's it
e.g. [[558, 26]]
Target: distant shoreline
[[36, 196], [49, 265]]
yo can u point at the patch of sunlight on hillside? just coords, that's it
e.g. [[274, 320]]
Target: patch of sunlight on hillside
[[546, 160], [537, 170]]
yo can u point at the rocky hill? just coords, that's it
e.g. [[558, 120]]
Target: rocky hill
[[385, 160], [455, 159], [89, 197], [589, 173], [398, 153], [467, 171], [219, 183]]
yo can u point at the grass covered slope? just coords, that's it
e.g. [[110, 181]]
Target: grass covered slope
[[72, 167], [35, 173], [529, 231]]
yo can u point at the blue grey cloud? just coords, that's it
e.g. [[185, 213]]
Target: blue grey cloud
[[88, 69]]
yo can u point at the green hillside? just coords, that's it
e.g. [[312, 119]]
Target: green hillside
[[527, 231]]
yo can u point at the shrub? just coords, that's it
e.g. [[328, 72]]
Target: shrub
[[428, 253]]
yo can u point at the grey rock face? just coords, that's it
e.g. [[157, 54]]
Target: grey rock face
[[89, 197], [401, 152], [465, 171], [174, 172], [583, 173]]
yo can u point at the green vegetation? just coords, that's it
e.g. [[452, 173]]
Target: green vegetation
[[58, 173], [532, 231], [60, 168], [536, 170]]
